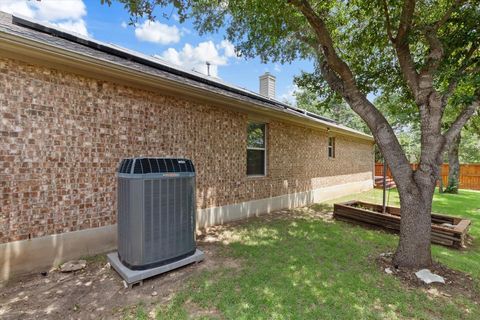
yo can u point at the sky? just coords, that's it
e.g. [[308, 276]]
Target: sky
[[163, 38]]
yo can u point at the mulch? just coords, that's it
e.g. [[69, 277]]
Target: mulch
[[457, 283]]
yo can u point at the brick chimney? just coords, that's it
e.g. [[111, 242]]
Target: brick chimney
[[267, 85]]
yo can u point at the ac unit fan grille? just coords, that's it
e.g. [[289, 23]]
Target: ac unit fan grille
[[155, 165]]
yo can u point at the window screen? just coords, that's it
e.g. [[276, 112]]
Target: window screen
[[256, 149], [331, 147]]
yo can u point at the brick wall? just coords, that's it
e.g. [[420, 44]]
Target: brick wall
[[63, 135]]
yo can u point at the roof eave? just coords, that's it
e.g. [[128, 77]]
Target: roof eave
[[29, 50]]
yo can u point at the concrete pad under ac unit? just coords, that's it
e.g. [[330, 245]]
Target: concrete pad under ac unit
[[133, 277]]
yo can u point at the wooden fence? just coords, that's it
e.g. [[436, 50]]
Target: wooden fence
[[469, 174]]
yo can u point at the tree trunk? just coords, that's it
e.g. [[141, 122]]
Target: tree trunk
[[415, 227], [415, 188], [453, 165]]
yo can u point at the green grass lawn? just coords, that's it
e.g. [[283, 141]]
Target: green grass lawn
[[307, 268], [465, 204]]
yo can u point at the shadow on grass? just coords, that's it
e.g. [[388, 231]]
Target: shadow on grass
[[465, 204], [306, 268], [322, 207]]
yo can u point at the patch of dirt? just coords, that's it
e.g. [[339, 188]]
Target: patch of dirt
[[97, 292], [196, 312], [456, 283], [317, 211]]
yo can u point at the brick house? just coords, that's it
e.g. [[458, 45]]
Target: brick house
[[72, 108]]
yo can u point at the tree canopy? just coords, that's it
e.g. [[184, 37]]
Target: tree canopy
[[425, 51]]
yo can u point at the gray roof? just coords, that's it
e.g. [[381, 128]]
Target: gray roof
[[50, 35]]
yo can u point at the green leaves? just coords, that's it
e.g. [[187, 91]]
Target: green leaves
[[332, 108], [275, 30], [364, 36]]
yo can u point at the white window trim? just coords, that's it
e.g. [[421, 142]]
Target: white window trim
[[264, 150]]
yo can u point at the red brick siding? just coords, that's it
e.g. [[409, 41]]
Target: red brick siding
[[63, 135]]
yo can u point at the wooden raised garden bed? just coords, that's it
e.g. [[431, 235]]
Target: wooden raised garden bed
[[446, 230]]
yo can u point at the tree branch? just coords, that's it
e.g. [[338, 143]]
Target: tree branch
[[460, 72], [437, 25], [407, 66], [406, 18], [435, 53], [388, 24], [340, 78], [325, 40], [332, 79], [462, 119]]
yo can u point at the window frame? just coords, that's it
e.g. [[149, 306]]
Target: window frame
[[331, 147], [264, 149]]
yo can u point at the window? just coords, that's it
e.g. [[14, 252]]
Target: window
[[256, 149], [331, 147]]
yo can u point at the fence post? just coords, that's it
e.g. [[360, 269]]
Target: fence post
[[384, 186]]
